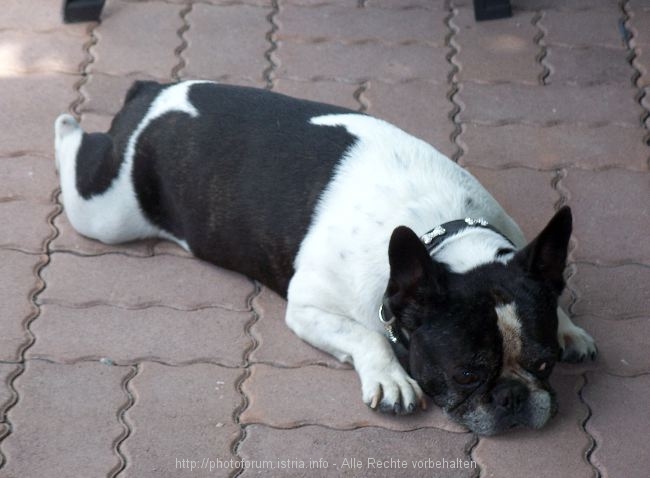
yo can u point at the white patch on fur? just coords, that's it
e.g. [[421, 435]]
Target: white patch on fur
[[114, 216], [386, 179], [481, 242], [510, 328]]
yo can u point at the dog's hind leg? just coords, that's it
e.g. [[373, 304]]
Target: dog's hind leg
[[97, 192]]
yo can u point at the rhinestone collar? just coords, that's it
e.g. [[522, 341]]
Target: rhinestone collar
[[438, 234]]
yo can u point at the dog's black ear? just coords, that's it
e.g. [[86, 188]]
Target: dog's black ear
[[545, 257], [413, 273]]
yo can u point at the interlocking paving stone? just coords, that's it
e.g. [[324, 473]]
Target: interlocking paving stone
[[181, 413], [588, 66], [28, 178], [327, 452], [597, 28], [138, 282], [129, 336], [611, 292], [331, 92], [388, 4], [30, 104], [618, 423], [502, 50], [29, 228], [358, 62], [137, 37], [515, 103], [17, 281], [327, 397], [555, 450], [351, 24], [70, 240], [239, 51], [608, 201], [563, 5], [550, 147], [29, 52], [65, 422], [418, 107], [36, 16], [7, 372], [277, 344], [412, 4], [526, 195]]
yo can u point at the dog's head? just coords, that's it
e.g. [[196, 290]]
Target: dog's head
[[483, 343]]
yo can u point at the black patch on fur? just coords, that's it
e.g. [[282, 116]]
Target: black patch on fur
[[96, 165], [100, 155], [239, 182]]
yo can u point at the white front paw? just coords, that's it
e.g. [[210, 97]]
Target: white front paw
[[575, 343], [390, 389]]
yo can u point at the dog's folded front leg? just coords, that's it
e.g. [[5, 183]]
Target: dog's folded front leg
[[384, 383], [575, 343]]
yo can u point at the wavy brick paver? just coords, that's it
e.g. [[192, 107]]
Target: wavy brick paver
[[324, 451], [563, 440], [328, 397], [129, 282], [158, 334], [618, 423], [180, 413], [137, 360], [65, 420]]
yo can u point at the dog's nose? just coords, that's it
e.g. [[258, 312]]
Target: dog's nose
[[510, 395]]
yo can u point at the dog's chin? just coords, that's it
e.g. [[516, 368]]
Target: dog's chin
[[486, 419]]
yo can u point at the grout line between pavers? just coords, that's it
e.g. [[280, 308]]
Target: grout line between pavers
[[140, 306], [630, 44], [478, 471], [539, 40], [269, 73], [554, 168], [75, 106], [132, 362], [237, 413], [178, 52], [127, 427], [359, 97], [353, 427], [593, 444], [31, 317], [549, 124], [452, 79]]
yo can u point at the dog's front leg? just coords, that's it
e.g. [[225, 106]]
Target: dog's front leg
[[575, 343], [384, 383]]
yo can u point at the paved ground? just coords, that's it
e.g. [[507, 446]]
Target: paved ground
[[136, 360]]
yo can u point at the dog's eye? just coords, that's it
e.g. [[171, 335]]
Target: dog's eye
[[467, 378]]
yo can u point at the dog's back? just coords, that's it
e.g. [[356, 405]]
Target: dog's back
[[213, 162]]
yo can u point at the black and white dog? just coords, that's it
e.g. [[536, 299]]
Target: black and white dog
[[392, 257]]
